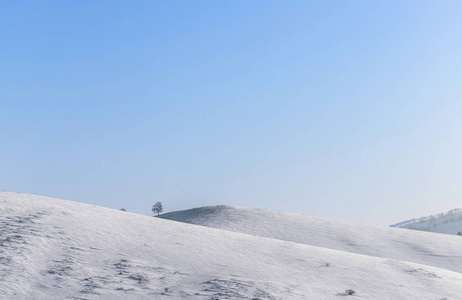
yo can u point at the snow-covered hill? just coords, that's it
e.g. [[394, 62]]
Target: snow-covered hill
[[421, 247], [56, 249], [449, 222]]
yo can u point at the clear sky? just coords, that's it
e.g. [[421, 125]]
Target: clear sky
[[348, 110]]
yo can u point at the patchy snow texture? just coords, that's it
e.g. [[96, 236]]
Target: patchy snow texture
[[56, 249], [449, 223]]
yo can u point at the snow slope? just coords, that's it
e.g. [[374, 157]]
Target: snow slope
[[449, 223], [56, 249], [421, 247]]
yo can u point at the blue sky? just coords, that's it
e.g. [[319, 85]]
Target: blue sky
[[340, 109]]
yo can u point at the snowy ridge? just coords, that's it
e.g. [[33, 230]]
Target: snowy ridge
[[56, 249], [401, 224], [449, 222], [421, 247]]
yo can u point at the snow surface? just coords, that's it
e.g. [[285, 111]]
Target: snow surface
[[421, 247], [449, 223], [56, 249]]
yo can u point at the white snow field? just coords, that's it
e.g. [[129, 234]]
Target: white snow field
[[432, 249], [56, 249], [449, 222]]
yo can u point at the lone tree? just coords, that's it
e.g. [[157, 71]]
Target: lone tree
[[157, 208]]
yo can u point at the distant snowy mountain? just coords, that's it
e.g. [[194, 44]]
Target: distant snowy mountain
[[449, 222], [56, 249]]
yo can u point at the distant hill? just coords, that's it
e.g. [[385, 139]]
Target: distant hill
[[449, 222], [420, 247]]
